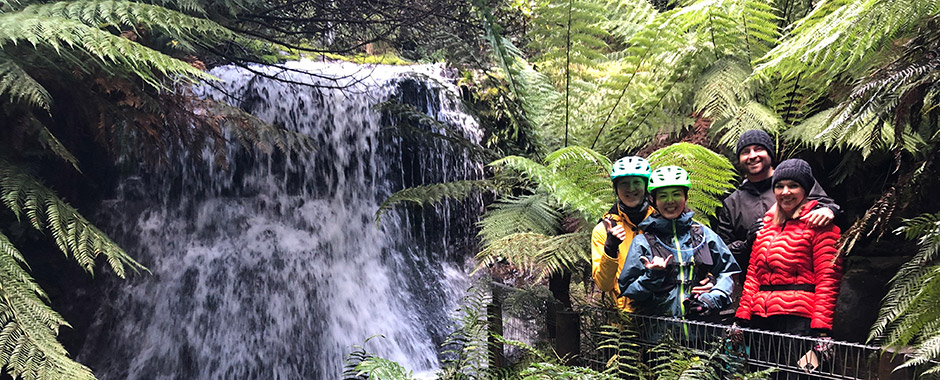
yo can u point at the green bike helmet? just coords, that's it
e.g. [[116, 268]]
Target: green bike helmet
[[669, 176], [630, 166]]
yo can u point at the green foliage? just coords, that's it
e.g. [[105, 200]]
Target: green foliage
[[45, 211], [839, 34], [383, 369], [575, 177], [711, 175], [626, 354], [28, 326], [550, 371], [910, 310], [435, 193], [532, 213], [129, 64], [73, 40], [466, 349]]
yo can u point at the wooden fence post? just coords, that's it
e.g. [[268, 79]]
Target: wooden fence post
[[568, 336]]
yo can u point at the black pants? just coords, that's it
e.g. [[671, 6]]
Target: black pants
[[787, 324], [778, 352]]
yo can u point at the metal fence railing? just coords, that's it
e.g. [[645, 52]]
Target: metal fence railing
[[579, 335], [758, 349]]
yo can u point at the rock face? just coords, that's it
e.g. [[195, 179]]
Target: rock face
[[864, 285], [275, 268]]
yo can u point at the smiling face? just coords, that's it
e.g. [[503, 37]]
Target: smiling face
[[670, 201], [631, 190], [756, 162], [790, 195]]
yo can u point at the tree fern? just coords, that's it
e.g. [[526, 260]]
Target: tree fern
[[383, 369], [435, 193], [838, 34], [570, 52], [73, 234], [711, 175], [532, 213], [576, 177], [66, 37], [910, 309], [28, 326], [531, 89], [722, 89], [20, 86], [620, 341], [127, 14]]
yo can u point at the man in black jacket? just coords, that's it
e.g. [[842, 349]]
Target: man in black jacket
[[741, 213]]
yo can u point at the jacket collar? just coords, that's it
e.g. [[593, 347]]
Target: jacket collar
[[809, 206], [756, 188], [658, 224]]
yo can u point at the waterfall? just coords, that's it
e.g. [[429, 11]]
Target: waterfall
[[275, 268]]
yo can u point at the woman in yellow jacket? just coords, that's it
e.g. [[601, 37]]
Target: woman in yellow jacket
[[612, 236]]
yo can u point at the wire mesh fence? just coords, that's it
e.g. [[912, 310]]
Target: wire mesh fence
[[794, 357]]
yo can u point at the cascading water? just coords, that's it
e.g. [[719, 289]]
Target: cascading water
[[274, 268]]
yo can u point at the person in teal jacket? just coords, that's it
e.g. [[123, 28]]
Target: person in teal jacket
[[677, 267]]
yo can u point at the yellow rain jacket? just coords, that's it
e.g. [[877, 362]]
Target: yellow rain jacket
[[605, 269]]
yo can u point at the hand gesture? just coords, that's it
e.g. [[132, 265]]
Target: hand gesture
[[614, 229], [658, 263], [819, 217], [704, 287]]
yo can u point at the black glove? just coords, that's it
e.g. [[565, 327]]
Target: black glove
[[695, 307], [752, 232], [612, 244]]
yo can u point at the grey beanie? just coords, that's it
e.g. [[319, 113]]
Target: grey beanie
[[758, 137], [797, 170]]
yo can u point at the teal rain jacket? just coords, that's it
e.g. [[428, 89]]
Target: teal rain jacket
[[661, 292]]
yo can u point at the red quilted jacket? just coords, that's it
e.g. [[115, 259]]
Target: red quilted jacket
[[786, 263]]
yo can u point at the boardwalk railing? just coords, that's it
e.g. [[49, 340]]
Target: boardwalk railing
[[758, 349], [578, 335]]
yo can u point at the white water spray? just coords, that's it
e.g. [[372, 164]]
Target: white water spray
[[274, 269]]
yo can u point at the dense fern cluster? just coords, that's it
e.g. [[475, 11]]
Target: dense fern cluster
[[853, 78], [115, 73]]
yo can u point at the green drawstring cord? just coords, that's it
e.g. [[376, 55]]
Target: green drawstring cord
[[675, 239]]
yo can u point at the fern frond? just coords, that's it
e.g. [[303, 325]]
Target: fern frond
[[838, 34], [519, 249], [65, 36], [576, 177], [20, 86], [533, 213], [73, 234], [383, 369], [546, 371], [564, 253], [722, 89], [711, 175], [435, 193], [127, 14], [907, 284], [751, 115], [621, 341], [465, 349], [28, 326]]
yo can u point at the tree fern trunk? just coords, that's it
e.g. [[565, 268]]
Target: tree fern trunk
[[567, 69]]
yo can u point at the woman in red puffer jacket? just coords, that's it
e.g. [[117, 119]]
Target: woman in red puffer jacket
[[794, 272]]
